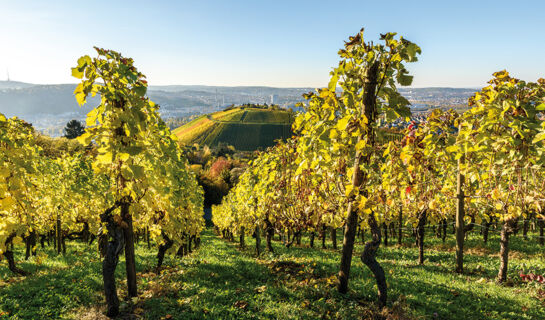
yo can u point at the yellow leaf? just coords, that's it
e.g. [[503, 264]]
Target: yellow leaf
[[123, 156], [343, 123], [360, 145], [403, 156], [4, 172], [80, 96], [17, 240], [105, 158], [92, 118], [84, 139], [6, 202], [348, 190], [363, 203], [387, 151], [496, 194]]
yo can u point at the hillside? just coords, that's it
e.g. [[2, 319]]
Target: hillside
[[49, 107], [246, 129], [14, 85]]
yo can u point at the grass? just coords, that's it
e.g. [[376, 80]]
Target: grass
[[221, 281], [434, 291], [59, 283]]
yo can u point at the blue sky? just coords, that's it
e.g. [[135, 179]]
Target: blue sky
[[272, 43]]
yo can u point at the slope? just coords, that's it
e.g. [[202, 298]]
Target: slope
[[245, 128]]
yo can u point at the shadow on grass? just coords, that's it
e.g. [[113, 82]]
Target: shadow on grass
[[433, 290], [221, 284], [59, 284], [54, 287], [219, 281]]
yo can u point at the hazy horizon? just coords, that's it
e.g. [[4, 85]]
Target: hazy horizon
[[151, 85]]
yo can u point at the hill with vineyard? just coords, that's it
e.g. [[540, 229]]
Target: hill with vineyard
[[245, 128]]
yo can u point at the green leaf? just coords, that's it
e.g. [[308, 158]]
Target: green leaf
[[134, 150], [405, 79], [127, 173], [140, 90], [412, 50], [138, 171], [332, 86]]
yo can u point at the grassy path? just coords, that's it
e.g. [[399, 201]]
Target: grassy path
[[299, 283], [221, 281]]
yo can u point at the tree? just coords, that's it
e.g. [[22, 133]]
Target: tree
[[74, 129]]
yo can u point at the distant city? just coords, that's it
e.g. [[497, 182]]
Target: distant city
[[50, 107]]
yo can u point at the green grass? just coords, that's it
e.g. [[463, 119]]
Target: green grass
[[220, 281], [58, 284]]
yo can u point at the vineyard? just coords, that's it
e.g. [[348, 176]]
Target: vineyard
[[130, 181], [447, 217], [245, 128], [480, 169]]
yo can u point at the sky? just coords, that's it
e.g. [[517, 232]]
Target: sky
[[270, 43]]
